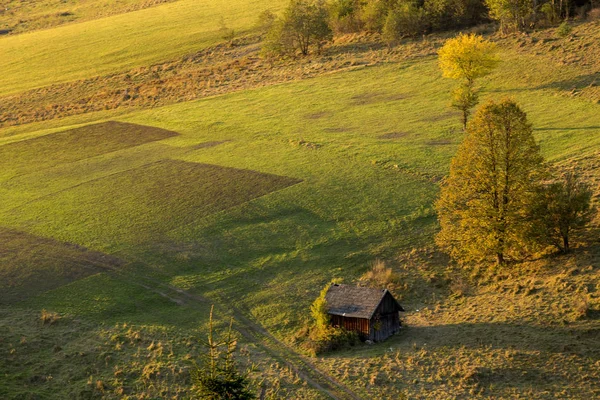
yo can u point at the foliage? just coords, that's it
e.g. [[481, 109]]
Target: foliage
[[49, 317], [380, 276], [464, 98], [467, 58], [550, 12], [374, 13], [513, 15], [448, 14], [562, 207], [322, 337], [395, 19], [265, 21], [344, 16], [279, 41], [564, 29], [318, 312], [304, 25], [330, 340], [217, 376], [555, 10], [483, 204], [404, 20]]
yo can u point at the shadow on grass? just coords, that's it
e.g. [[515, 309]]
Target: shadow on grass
[[579, 339], [581, 128], [578, 82]]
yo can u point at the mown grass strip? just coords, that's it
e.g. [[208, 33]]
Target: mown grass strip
[[75, 144]]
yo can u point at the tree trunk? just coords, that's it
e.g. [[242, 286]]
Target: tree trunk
[[499, 258], [565, 243]]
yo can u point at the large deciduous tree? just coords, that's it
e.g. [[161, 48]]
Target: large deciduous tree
[[467, 58], [485, 201]]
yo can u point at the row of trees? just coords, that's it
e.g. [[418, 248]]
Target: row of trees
[[308, 24]]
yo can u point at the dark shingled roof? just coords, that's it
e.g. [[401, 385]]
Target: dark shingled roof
[[353, 301]]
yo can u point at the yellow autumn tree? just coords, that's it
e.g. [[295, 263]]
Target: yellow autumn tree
[[466, 58], [484, 203], [318, 310]]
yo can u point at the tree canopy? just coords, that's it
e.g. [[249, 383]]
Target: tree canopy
[[304, 25], [562, 207], [467, 58], [484, 202]]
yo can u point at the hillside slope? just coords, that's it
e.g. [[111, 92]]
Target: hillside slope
[[23, 16], [256, 198], [120, 42]]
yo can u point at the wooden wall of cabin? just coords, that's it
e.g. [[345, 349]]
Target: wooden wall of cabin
[[387, 305], [387, 325], [359, 325]]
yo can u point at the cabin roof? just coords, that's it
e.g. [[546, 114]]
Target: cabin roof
[[355, 302]]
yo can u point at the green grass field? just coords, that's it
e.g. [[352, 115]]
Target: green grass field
[[255, 200], [121, 42], [31, 265], [23, 16]]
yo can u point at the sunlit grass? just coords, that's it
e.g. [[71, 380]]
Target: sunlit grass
[[121, 42], [369, 146]]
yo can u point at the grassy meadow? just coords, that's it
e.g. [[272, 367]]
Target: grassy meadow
[[253, 201], [23, 16], [121, 42]]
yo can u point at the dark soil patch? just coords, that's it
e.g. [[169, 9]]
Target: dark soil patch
[[366, 98], [396, 97], [207, 145], [77, 144], [337, 129], [318, 115], [594, 314], [439, 142], [30, 265], [393, 135]]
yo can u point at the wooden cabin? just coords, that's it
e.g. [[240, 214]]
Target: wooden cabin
[[373, 313]]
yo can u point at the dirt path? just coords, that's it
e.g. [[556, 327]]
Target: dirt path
[[250, 330]]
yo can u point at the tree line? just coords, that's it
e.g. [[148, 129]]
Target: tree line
[[308, 24]]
